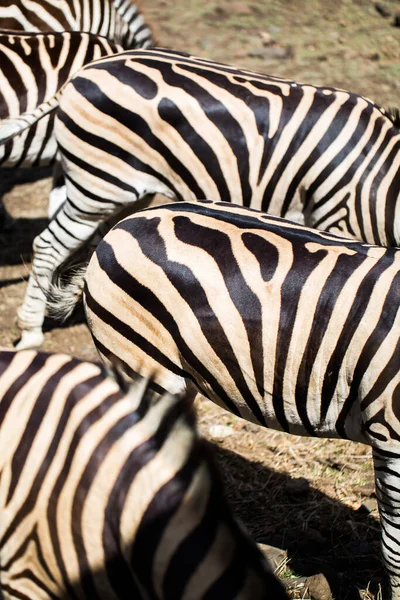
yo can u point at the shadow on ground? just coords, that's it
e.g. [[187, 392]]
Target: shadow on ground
[[320, 534], [16, 241]]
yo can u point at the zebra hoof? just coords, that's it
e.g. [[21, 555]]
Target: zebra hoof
[[32, 338]]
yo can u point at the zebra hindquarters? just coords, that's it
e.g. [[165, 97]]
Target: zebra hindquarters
[[108, 492], [136, 315]]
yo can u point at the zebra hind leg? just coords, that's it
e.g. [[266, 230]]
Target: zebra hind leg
[[66, 233], [387, 481]]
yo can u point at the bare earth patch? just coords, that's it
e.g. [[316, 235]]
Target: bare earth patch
[[313, 498]]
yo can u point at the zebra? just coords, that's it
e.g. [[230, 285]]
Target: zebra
[[119, 20], [107, 491], [34, 66], [286, 326], [156, 120]]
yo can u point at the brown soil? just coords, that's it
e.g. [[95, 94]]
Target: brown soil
[[323, 524]]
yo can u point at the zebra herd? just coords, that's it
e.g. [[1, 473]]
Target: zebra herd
[[272, 288]]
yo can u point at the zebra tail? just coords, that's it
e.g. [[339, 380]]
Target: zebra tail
[[14, 126], [65, 293]]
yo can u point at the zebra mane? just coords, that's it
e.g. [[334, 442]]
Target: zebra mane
[[394, 116]]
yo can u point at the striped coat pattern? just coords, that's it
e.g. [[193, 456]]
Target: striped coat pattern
[[33, 67], [118, 20], [289, 327], [106, 492], [152, 121]]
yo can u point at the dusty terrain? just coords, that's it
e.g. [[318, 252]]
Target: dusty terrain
[[327, 521]]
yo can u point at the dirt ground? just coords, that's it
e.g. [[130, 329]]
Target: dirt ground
[[313, 498]]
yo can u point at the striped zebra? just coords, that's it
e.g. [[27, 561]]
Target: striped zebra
[[150, 121], [289, 327], [33, 67], [118, 20], [105, 493]]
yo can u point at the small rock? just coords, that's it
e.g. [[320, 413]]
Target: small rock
[[374, 56], [368, 506], [382, 10], [396, 21], [315, 587], [220, 432], [266, 38], [318, 587], [298, 487], [275, 556]]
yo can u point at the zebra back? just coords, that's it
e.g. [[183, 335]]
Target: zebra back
[[118, 20], [190, 128], [107, 490]]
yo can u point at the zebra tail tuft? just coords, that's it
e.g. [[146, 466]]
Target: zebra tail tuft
[[65, 293], [9, 128]]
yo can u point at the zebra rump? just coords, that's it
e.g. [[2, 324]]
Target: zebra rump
[[107, 491], [289, 327], [155, 120], [34, 66]]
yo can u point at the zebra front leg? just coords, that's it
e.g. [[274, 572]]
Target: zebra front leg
[[66, 232], [387, 481]]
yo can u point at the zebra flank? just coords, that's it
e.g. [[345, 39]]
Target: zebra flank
[[289, 327], [192, 128], [160, 121], [107, 491], [268, 318], [117, 20], [33, 67]]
